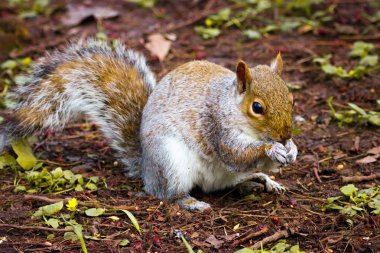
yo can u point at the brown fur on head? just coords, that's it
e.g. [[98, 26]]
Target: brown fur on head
[[267, 102]]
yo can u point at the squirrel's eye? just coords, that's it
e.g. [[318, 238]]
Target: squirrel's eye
[[257, 108]]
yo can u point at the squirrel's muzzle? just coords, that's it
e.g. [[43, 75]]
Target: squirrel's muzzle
[[286, 135]]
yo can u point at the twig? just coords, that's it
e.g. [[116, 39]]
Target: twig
[[59, 164], [276, 236], [317, 175], [250, 236], [35, 228], [83, 203], [356, 179]]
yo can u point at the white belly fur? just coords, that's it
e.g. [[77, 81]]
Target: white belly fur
[[188, 169]]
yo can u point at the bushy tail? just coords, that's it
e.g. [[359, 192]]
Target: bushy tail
[[108, 85]]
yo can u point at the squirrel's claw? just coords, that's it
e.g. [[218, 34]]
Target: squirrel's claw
[[277, 153], [273, 186]]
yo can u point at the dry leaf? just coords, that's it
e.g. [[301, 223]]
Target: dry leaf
[[214, 242], [374, 151], [76, 14], [367, 159], [158, 45]]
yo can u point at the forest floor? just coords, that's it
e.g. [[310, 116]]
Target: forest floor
[[328, 151]]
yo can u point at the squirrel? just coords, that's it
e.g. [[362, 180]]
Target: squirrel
[[201, 126]]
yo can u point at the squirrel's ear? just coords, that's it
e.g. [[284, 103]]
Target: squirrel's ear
[[243, 75], [277, 65]]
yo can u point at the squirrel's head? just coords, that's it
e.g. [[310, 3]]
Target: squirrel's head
[[266, 100]]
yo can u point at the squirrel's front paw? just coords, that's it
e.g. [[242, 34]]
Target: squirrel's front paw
[[292, 151], [277, 153]]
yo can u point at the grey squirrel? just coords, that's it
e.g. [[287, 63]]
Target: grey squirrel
[[201, 125]]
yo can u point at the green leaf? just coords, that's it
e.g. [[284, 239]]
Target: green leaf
[[68, 174], [94, 212], [296, 249], [348, 211], [369, 60], [40, 6], [124, 243], [78, 188], [53, 222], [245, 250], [28, 14], [323, 60], [94, 179], [207, 33], [57, 173], [290, 25], [280, 247], [49, 210], [25, 158], [133, 220], [374, 119], [9, 64], [252, 34], [187, 245], [349, 190], [218, 18], [144, 3], [332, 199], [329, 69], [361, 49], [91, 186], [357, 109], [269, 29], [6, 160], [70, 236], [20, 188], [331, 206]]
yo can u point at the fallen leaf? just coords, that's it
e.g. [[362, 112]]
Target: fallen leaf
[[76, 14], [133, 220], [158, 45], [214, 242], [94, 212], [25, 158], [230, 237], [367, 159], [374, 151]]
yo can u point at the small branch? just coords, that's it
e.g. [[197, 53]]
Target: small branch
[[276, 236], [82, 203], [357, 179], [316, 174], [250, 236], [35, 228]]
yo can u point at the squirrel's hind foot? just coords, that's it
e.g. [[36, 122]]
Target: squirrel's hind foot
[[192, 204], [270, 185], [250, 187], [273, 186]]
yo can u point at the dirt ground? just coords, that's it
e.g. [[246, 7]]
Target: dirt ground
[[326, 151]]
